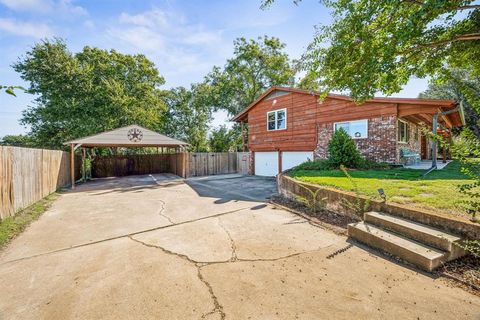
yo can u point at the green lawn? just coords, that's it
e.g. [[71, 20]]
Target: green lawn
[[437, 191], [12, 226]]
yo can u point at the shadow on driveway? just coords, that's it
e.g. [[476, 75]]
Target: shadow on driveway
[[235, 188]]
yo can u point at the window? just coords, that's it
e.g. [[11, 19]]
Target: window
[[356, 129], [277, 120], [403, 132]]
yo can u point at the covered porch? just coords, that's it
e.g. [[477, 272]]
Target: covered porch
[[428, 121], [427, 164]]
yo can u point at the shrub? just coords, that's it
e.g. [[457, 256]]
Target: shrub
[[342, 150], [315, 165]]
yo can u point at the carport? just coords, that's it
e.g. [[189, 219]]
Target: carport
[[132, 136]]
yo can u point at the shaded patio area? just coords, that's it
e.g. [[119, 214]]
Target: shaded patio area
[[427, 164]]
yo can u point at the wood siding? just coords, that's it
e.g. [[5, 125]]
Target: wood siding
[[304, 114], [301, 123]]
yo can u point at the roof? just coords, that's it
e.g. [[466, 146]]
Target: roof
[[129, 136], [417, 101]]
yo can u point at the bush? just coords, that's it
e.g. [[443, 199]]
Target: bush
[[315, 165], [342, 150]]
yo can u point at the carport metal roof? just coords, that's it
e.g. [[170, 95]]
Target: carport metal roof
[[129, 137]]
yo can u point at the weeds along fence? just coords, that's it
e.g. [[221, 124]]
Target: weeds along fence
[[28, 175]]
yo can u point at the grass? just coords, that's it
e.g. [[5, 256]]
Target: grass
[[438, 191], [12, 226]]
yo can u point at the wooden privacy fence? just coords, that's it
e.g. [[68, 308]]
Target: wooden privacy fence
[[206, 164], [181, 164], [133, 164], [28, 175]]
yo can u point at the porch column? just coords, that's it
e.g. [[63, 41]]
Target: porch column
[[434, 142]]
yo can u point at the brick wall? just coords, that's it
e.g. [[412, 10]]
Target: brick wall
[[414, 142], [380, 145]]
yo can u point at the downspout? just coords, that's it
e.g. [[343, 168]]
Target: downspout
[[459, 108]]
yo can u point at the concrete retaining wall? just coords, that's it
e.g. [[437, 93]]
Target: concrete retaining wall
[[336, 199]]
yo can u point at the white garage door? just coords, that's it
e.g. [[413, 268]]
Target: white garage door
[[266, 164], [291, 159]]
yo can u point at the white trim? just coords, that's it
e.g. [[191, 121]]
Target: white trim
[[407, 134], [355, 138], [284, 110]]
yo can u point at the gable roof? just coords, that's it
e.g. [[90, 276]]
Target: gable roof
[[120, 138], [431, 102]]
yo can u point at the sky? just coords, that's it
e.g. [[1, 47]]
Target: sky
[[184, 39]]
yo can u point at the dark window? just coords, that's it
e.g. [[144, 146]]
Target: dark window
[[403, 135], [277, 120]]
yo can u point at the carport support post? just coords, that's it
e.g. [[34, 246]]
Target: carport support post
[[84, 167], [243, 136], [72, 164]]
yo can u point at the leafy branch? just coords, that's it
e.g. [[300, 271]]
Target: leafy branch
[[11, 89]]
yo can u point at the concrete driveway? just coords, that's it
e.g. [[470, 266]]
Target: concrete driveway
[[157, 247]]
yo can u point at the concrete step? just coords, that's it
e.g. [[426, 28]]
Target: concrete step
[[420, 232], [421, 255]]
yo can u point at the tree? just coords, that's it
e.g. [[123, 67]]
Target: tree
[[376, 46], [256, 66], [88, 92], [342, 150], [223, 139], [187, 116], [10, 89], [463, 88], [17, 141]]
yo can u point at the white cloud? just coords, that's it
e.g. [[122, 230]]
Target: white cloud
[[69, 7], [140, 38], [89, 24], [28, 5], [45, 6], [175, 44], [153, 18], [28, 29]]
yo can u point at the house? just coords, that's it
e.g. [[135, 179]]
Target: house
[[287, 126]]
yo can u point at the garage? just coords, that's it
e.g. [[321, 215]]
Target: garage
[[292, 159], [266, 163]]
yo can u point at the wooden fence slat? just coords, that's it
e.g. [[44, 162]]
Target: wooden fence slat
[[27, 175]]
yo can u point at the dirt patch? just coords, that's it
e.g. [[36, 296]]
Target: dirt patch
[[463, 272], [330, 220]]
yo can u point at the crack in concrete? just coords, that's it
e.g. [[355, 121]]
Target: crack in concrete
[[232, 242], [124, 235], [160, 212], [217, 306]]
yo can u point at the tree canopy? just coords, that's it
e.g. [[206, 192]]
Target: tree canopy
[[377, 46], [461, 87], [223, 139], [188, 115], [17, 141], [88, 92], [255, 66]]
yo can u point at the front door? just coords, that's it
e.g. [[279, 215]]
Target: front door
[[424, 147]]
